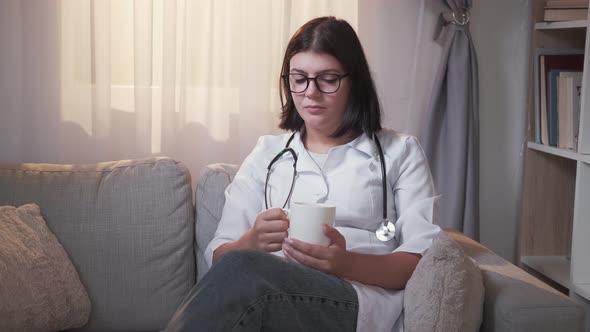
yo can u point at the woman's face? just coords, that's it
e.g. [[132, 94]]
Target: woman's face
[[321, 112]]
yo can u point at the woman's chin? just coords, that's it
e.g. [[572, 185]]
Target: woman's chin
[[317, 126]]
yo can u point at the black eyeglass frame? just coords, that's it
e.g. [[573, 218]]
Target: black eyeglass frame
[[315, 81]]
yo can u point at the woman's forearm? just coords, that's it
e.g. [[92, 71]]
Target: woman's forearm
[[242, 243], [222, 249], [388, 271]]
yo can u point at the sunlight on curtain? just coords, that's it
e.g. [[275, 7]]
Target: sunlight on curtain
[[196, 80]]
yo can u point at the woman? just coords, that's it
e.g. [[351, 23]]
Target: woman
[[355, 283]]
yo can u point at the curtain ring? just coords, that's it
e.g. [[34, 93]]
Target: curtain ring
[[460, 16]]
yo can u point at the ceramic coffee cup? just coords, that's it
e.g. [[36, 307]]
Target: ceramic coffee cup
[[307, 220]]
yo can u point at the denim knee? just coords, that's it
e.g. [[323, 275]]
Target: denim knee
[[248, 289], [252, 266], [244, 256], [244, 261]]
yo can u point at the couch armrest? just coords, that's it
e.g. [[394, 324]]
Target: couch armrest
[[517, 301], [210, 198]]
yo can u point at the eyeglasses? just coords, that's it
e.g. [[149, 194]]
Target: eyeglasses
[[326, 83]]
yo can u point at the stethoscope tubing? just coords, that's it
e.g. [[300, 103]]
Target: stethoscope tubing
[[385, 233], [383, 175], [274, 160]]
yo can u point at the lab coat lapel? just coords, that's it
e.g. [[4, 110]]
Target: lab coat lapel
[[364, 144]]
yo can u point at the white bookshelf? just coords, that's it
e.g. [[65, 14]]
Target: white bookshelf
[[582, 290], [556, 268], [561, 25], [564, 153], [554, 237]]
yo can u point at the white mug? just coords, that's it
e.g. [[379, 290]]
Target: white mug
[[306, 221]]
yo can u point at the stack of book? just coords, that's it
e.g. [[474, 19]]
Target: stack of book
[[558, 77], [566, 10]]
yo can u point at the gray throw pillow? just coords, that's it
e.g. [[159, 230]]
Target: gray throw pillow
[[445, 292], [40, 289]]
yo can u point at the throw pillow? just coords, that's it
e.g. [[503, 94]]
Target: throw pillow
[[446, 291], [40, 289]]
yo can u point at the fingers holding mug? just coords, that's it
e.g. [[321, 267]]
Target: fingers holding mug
[[269, 230]]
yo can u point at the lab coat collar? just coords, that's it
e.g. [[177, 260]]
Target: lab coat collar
[[363, 143]]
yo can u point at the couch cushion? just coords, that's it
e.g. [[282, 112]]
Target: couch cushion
[[39, 287], [445, 292], [128, 227], [209, 201]]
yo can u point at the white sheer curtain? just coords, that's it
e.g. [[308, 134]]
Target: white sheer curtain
[[84, 81], [194, 80]]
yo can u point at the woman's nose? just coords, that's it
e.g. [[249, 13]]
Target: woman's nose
[[312, 89]]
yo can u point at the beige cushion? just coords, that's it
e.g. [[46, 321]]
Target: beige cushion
[[40, 289], [446, 291]]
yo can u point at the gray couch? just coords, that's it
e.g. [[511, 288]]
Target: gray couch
[[130, 229]]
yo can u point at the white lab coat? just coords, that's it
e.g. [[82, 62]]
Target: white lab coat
[[350, 179]]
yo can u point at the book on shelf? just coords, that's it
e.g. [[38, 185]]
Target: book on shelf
[[548, 63], [565, 14], [574, 107], [577, 105], [576, 101], [568, 109], [566, 4], [542, 123], [554, 101], [562, 105]]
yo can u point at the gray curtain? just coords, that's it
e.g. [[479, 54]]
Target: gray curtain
[[451, 131]]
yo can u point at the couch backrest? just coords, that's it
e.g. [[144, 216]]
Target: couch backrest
[[209, 201], [128, 228]]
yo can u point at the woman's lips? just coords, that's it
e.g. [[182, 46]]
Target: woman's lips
[[313, 109]]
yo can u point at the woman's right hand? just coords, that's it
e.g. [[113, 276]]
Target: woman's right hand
[[268, 232]]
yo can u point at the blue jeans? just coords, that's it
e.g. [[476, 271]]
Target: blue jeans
[[249, 290]]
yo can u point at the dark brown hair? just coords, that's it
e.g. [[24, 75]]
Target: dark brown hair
[[335, 37]]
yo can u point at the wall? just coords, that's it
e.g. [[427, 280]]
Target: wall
[[10, 83], [29, 98], [501, 34]]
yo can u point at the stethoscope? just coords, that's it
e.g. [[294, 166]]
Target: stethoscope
[[384, 233]]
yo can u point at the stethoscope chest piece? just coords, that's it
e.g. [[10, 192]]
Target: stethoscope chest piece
[[386, 232]]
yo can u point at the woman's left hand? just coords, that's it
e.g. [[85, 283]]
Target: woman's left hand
[[330, 259]]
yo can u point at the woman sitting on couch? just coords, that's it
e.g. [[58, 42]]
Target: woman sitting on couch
[[378, 180]]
